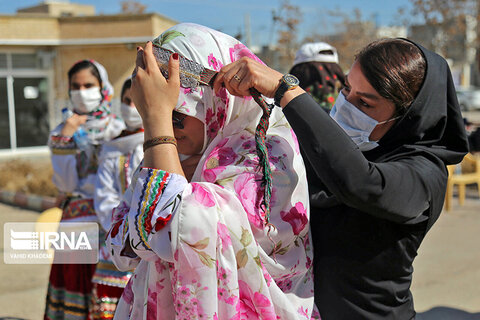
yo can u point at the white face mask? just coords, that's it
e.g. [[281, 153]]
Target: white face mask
[[86, 100], [131, 116], [355, 123]]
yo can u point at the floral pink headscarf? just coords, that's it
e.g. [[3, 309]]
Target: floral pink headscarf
[[226, 264]]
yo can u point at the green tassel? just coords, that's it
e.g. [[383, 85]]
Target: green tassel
[[262, 152]]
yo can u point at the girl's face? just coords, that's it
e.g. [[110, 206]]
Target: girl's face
[[361, 94], [127, 97], [190, 138], [83, 79]]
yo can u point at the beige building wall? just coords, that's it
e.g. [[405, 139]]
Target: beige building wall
[[61, 41], [57, 9], [29, 28]]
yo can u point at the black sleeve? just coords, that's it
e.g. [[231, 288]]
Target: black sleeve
[[398, 191]]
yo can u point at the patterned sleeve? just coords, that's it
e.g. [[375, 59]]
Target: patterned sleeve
[[141, 222], [63, 150]]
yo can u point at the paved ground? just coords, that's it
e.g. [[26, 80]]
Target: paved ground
[[446, 279]]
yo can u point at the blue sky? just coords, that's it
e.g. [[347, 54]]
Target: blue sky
[[229, 16]]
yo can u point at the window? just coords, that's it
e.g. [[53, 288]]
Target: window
[[4, 123], [31, 111], [3, 61], [25, 61]]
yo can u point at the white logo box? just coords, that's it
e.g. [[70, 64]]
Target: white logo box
[[47, 243]]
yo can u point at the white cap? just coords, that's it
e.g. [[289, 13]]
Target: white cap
[[312, 52]]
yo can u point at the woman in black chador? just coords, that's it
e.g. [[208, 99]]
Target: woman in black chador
[[376, 169]]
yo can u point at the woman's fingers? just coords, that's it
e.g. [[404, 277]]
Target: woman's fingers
[[174, 72], [247, 73], [139, 60], [149, 58]]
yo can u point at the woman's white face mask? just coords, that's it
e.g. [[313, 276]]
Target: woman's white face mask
[[355, 123], [131, 116], [86, 100]]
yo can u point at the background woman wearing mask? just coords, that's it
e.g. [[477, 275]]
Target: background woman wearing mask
[[118, 160], [75, 165], [377, 173]]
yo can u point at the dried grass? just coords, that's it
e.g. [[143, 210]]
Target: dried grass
[[27, 176]]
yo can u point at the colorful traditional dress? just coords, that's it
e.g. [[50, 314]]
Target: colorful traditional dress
[[118, 160], [203, 249], [69, 292]]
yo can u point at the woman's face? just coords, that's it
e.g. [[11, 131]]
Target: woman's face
[[190, 139], [127, 97], [361, 94], [83, 79]]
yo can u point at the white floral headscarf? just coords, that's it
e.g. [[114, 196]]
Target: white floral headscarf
[[103, 125], [226, 263]]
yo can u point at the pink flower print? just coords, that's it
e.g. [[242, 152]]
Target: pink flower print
[[303, 312], [224, 236], [297, 217], [254, 305], [217, 161], [285, 284], [266, 275], [295, 141], [247, 145], [250, 194], [212, 129], [209, 115], [239, 51], [222, 294], [214, 63], [202, 195], [152, 305], [221, 115], [186, 90], [223, 95], [224, 275], [127, 293]]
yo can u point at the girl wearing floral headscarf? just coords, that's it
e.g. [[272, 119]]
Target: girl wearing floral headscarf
[[70, 288], [203, 245]]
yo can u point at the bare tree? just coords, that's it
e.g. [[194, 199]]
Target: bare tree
[[447, 21], [353, 32], [132, 7], [288, 18], [450, 28]]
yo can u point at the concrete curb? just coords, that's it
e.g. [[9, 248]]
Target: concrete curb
[[27, 201]]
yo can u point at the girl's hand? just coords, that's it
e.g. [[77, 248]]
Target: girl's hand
[[71, 124], [154, 96]]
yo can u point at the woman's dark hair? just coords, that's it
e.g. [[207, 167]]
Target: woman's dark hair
[[84, 64], [395, 68], [126, 85]]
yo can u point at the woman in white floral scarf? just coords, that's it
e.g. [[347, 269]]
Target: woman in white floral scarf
[[201, 243]]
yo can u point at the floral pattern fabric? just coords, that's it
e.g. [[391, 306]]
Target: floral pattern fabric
[[202, 249]]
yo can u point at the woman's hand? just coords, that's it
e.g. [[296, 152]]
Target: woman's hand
[[241, 75], [71, 124], [154, 96]]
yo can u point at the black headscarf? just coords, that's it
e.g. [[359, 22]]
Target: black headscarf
[[433, 123], [432, 126]]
